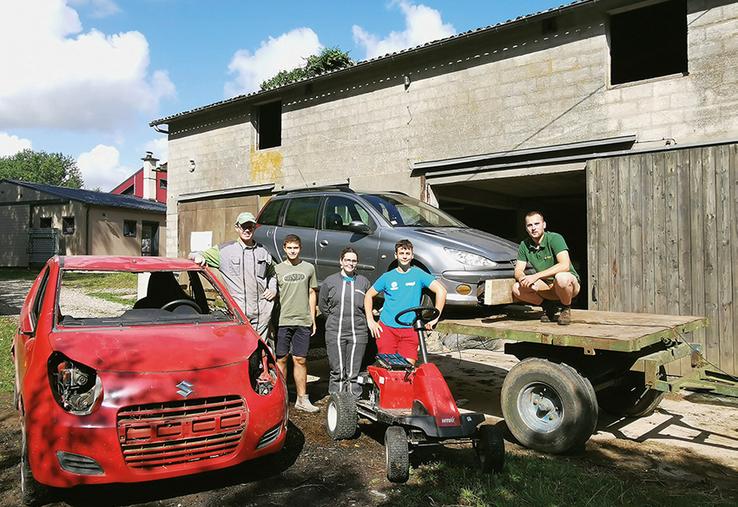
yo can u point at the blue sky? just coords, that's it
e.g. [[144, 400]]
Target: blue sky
[[85, 77]]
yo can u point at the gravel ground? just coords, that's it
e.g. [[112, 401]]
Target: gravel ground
[[12, 295]]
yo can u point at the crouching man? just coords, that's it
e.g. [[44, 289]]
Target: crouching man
[[555, 280]]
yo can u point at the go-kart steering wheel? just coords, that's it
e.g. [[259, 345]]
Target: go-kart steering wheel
[[179, 302], [424, 314]]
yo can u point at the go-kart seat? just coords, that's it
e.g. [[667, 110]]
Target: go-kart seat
[[163, 288]]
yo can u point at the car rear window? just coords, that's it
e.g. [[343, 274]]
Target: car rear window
[[302, 212], [270, 214], [119, 298]]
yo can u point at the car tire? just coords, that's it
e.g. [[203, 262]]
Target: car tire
[[33, 493], [548, 406], [341, 419], [631, 397], [490, 449], [397, 454]]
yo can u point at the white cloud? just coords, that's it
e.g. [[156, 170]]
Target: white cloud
[[10, 145], [422, 24], [56, 75], [285, 52], [98, 8], [159, 147], [100, 167]]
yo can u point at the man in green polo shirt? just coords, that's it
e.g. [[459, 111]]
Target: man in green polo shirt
[[555, 280]]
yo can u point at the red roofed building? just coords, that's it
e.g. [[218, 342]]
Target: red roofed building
[[149, 182]]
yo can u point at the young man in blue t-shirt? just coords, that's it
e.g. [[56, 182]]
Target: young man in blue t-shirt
[[402, 288]]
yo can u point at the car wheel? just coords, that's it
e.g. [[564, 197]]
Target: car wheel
[[33, 493], [490, 449], [397, 454], [547, 406], [341, 418], [631, 397]]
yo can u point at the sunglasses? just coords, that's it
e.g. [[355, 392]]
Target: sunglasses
[[248, 226]]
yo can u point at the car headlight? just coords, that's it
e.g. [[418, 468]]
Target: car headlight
[[470, 259], [262, 370], [76, 387]]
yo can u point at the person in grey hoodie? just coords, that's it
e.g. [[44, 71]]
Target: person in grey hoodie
[[248, 272], [341, 300]]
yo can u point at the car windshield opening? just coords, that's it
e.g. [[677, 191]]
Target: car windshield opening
[[404, 211], [122, 298]]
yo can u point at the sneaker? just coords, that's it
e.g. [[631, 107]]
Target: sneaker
[[303, 403], [549, 311], [565, 316]]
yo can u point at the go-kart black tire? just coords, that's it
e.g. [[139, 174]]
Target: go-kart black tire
[[490, 449], [548, 406], [340, 417], [397, 454], [631, 397], [33, 493]]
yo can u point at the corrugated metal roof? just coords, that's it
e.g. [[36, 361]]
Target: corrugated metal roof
[[475, 31], [94, 198]]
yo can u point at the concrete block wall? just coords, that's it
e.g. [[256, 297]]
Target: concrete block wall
[[503, 91]]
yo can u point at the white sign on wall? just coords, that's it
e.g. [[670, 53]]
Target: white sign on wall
[[200, 240]]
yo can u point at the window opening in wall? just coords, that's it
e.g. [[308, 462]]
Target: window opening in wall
[[128, 191], [648, 42], [44, 223], [163, 184], [270, 125], [67, 225], [129, 228]]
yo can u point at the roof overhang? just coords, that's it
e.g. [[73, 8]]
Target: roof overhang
[[226, 192]]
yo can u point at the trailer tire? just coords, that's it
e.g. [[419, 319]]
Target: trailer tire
[[341, 419], [397, 454], [548, 406], [631, 398], [490, 449]]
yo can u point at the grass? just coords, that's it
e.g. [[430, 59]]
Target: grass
[[530, 480], [103, 281], [8, 327], [18, 274]]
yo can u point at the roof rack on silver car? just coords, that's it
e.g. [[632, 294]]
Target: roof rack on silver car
[[342, 186]]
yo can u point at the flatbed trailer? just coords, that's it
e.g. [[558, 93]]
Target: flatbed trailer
[[603, 360]]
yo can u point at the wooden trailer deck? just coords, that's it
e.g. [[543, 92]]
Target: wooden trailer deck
[[589, 329]]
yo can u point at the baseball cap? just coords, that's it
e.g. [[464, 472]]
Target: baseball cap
[[245, 217]]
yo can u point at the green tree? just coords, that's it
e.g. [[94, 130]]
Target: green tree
[[41, 167], [327, 60]]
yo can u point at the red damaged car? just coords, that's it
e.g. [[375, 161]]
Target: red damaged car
[[133, 369]]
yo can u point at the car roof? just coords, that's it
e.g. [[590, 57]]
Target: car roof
[[125, 263]]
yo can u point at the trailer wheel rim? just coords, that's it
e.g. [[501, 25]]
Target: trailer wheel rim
[[540, 407], [332, 416]]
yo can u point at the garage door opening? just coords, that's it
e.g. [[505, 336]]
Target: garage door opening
[[498, 203]]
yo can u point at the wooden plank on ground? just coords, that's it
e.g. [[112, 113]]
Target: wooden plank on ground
[[712, 339], [724, 218]]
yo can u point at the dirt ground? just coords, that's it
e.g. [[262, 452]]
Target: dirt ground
[[685, 441]]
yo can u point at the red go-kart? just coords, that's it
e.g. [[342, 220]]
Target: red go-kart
[[416, 405]]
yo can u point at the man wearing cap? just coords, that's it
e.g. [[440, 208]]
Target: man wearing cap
[[248, 272]]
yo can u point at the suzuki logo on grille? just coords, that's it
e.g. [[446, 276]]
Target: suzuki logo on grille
[[185, 389]]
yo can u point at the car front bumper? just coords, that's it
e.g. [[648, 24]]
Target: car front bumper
[[144, 430], [454, 281]]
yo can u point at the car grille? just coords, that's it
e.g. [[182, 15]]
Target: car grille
[[179, 432]]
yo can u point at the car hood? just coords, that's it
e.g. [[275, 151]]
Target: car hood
[[469, 240], [157, 348]]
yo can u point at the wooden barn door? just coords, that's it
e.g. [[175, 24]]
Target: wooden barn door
[[663, 238]]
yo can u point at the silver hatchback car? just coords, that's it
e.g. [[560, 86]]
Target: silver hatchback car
[[329, 219]]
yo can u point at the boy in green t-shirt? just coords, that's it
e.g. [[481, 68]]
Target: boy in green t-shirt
[[555, 278], [298, 300]]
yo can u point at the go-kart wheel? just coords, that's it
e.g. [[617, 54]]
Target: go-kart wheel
[[341, 419], [490, 449], [397, 454], [32, 492]]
